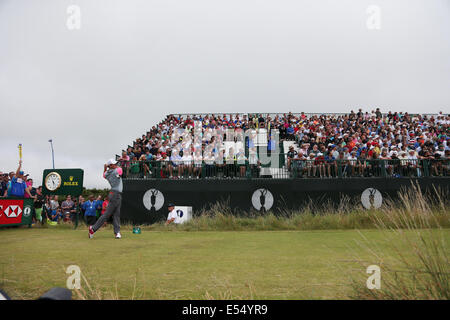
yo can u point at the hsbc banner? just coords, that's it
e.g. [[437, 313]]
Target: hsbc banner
[[15, 212]]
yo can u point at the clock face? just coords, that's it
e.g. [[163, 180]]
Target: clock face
[[52, 181]]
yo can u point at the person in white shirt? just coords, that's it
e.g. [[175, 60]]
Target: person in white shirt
[[198, 160], [240, 159], [413, 162], [186, 160], [209, 164], [352, 161], [173, 216]]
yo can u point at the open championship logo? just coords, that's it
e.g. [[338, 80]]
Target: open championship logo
[[371, 198], [153, 200], [27, 212], [262, 199]]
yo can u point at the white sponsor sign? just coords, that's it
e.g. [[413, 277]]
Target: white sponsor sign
[[184, 213]]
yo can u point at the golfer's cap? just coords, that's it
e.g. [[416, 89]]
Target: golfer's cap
[[111, 161], [170, 205]]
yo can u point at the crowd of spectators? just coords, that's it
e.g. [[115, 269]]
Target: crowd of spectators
[[67, 211], [50, 208], [327, 145]]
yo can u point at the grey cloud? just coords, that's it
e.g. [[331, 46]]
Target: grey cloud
[[96, 89]]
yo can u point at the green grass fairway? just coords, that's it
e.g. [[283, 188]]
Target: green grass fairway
[[189, 265]]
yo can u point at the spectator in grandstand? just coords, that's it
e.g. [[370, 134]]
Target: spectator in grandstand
[[209, 164], [144, 163], [241, 162], [330, 163], [124, 162], [387, 164], [290, 155], [413, 163], [186, 163], [198, 161], [310, 166], [229, 164], [174, 163], [352, 163], [368, 132], [319, 162]]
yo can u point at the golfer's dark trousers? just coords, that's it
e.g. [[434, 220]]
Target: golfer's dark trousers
[[113, 209]]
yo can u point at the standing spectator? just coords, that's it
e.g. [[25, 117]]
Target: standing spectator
[[38, 204], [29, 183], [90, 213], [98, 205], [18, 185], [104, 207], [4, 179]]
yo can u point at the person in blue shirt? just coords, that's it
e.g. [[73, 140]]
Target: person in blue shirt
[[98, 206], [90, 212], [330, 163], [18, 185]]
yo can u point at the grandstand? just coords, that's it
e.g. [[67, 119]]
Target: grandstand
[[291, 145]]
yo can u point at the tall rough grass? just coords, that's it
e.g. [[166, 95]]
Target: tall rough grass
[[422, 271], [349, 214]]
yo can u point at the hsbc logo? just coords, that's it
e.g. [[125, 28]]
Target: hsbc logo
[[12, 211]]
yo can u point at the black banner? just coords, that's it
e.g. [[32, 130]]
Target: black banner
[[145, 201]]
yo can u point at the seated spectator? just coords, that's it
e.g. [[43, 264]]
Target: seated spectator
[[124, 163], [290, 155], [241, 162], [68, 209], [413, 163], [319, 162], [330, 163], [54, 213], [198, 162]]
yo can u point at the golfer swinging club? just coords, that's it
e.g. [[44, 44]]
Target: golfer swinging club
[[113, 174]]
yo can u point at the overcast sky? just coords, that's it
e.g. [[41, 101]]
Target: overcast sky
[[95, 89]]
